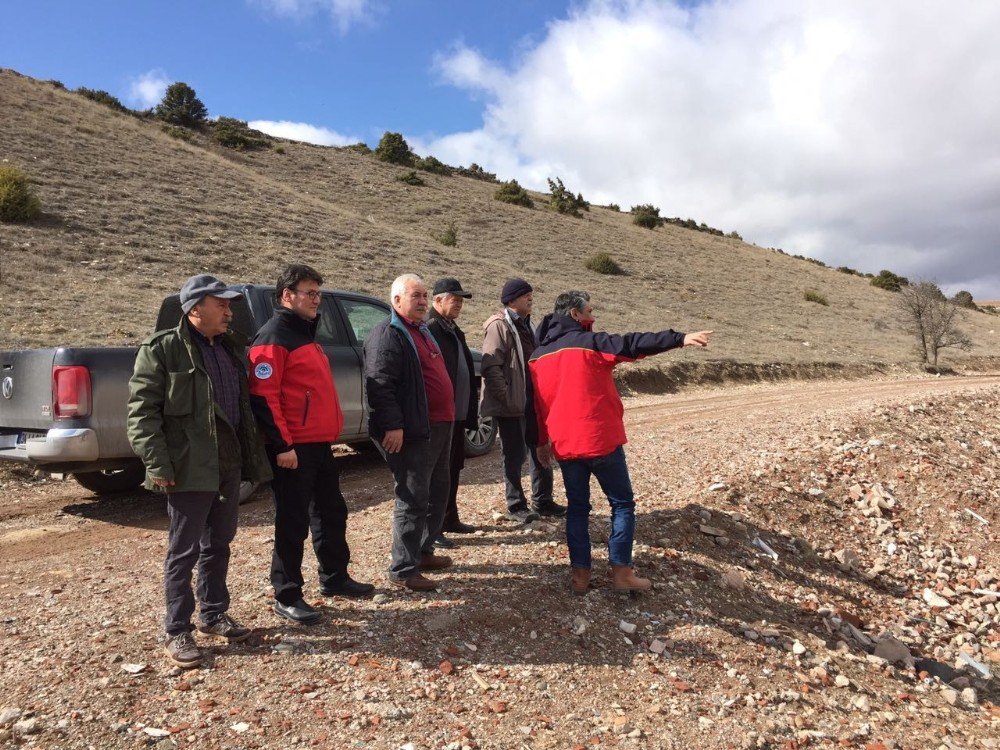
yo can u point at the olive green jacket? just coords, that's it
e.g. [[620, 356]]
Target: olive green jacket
[[172, 418]]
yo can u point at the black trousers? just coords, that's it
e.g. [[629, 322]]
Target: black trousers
[[307, 499], [455, 465], [202, 526], [420, 471], [516, 448]]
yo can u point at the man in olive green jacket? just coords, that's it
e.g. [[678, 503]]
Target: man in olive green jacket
[[189, 420]]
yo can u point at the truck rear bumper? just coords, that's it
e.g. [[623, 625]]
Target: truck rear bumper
[[56, 446]]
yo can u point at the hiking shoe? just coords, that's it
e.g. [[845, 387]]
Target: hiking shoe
[[347, 586], [298, 612], [226, 627], [443, 542], [183, 651], [625, 581], [457, 527], [552, 510], [415, 582], [522, 516], [434, 562]]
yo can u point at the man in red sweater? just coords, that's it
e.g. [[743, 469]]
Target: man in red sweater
[[580, 424], [295, 401]]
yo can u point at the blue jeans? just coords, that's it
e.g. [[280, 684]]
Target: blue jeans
[[612, 474]]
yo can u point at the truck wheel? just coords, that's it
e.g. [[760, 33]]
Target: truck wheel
[[112, 480], [480, 441]]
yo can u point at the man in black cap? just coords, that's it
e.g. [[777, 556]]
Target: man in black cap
[[447, 306], [190, 422], [508, 341]]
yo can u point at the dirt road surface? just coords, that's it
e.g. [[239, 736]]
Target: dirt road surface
[[730, 650]]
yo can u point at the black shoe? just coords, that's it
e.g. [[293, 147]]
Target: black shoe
[[443, 542], [299, 612], [347, 586], [553, 510], [522, 516], [459, 528]]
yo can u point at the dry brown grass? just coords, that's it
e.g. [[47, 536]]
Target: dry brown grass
[[130, 212]]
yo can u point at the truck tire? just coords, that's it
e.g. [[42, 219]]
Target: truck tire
[[480, 441], [112, 480]]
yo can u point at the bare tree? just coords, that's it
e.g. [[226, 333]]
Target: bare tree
[[932, 319]]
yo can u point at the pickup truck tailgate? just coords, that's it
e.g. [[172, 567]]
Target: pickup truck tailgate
[[26, 407], [26, 377]]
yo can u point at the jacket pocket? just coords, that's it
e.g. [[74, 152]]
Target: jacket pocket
[[179, 399], [305, 411]]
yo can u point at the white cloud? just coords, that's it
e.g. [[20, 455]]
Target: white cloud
[[344, 13], [148, 89], [301, 131], [861, 133]]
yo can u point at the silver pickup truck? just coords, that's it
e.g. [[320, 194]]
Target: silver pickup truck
[[64, 409]]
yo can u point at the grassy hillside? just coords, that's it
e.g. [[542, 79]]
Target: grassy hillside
[[130, 212]]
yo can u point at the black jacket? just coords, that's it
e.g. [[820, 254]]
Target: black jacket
[[394, 383], [450, 352]]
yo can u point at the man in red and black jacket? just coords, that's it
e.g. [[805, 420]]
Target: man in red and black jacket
[[580, 424], [295, 401]]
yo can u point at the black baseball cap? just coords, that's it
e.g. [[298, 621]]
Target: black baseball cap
[[449, 285], [198, 287]]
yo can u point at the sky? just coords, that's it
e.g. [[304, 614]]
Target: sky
[[863, 134]]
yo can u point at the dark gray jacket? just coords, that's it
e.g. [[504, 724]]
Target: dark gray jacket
[[450, 351]]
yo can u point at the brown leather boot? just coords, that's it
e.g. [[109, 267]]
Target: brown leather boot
[[624, 579], [415, 582], [434, 562], [580, 582]]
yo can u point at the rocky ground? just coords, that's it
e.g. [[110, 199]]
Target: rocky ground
[[825, 559]]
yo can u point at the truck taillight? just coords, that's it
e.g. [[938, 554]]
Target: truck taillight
[[71, 392]]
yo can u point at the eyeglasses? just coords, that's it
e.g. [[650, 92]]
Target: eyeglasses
[[312, 294]]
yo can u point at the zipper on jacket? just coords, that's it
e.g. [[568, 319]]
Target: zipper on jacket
[[305, 412]]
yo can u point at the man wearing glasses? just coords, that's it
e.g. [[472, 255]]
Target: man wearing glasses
[[295, 401]]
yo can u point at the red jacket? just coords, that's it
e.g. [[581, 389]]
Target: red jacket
[[291, 385], [576, 401]]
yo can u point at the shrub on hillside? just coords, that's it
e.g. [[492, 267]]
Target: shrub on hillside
[[18, 201], [614, 207], [965, 299], [476, 172], [512, 192], [181, 106], [850, 271], [646, 215], [448, 236], [57, 84], [180, 134], [563, 201], [394, 149], [102, 97], [811, 295], [603, 263], [361, 147], [433, 165], [889, 281], [734, 235], [236, 134], [411, 178]]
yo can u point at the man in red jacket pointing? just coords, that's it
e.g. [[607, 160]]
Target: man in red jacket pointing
[[295, 401], [580, 424]]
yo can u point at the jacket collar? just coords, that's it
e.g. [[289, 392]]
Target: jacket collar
[[556, 325], [294, 320], [232, 340], [451, 325]]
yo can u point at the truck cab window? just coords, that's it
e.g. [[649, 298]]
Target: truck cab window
[[363, 317]]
